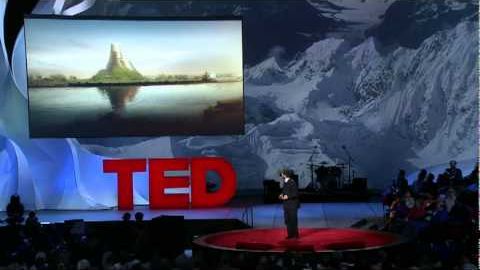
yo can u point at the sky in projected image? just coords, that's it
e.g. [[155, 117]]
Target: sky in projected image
[[81, 48]]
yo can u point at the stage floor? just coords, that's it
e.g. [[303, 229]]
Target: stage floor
[[313, 215], [319, 240]]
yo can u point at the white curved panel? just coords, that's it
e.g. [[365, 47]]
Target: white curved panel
[[45, 169], [19, 63], [8, 172], [26, 187], [102, 187], [4, 58], [75, 196], [79, 8], [58, 6]]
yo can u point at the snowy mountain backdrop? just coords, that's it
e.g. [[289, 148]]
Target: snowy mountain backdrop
[[393, 82]]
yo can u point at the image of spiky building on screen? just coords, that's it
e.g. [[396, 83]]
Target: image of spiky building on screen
[[99, 78]]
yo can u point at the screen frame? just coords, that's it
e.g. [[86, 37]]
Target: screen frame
[[133, 19]]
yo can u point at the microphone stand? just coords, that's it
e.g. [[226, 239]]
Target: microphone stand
[[350, 159], [310, 160]]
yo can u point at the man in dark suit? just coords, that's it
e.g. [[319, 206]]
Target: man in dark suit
[[291, 203]]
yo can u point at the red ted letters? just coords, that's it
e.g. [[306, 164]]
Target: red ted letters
[[158, 182]]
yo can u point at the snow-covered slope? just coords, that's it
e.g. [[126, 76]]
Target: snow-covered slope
[[427, 95], [303, 74], [391, 99], [406, 108], [364, 12], [266, 73]]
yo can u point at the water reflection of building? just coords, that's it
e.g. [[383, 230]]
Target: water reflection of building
[[119, 96]]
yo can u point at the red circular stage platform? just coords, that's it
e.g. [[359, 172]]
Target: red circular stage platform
[[321, 240]]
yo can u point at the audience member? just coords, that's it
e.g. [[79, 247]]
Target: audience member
[[83, 264], [41, 262], [454, 174], [472, 178], [32, 226], [139, 217], [126, 217], [401, 182], [418, 183], [442, 182], [428, 186], [15, 210]]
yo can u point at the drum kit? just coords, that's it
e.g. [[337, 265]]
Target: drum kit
[[328, 176]]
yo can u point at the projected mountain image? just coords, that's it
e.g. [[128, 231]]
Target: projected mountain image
[[98, 86]]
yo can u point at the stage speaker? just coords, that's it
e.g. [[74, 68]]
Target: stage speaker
[[295, 178], [346, 245], [75, 226], [253, 246], [271, 190], [167, 234], [359, 184], [360, 223]]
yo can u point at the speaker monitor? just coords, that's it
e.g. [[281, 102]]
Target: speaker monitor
[[168, 234], [359, 184], [75, 226], [271, 190]]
